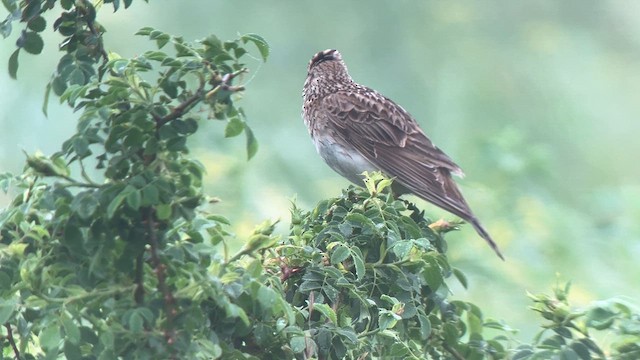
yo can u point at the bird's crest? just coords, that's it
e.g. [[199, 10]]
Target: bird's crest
[[326, 55]]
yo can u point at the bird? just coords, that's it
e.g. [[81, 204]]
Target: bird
[[357, 129]]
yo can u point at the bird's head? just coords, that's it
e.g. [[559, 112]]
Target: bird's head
[[327, 65]]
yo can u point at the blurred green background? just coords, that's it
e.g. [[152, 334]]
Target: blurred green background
[[538, 102]]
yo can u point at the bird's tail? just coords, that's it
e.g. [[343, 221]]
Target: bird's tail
[[485, 235]]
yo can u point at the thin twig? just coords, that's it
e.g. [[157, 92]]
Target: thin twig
[[12, 341]]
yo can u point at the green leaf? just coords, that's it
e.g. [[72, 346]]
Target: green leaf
[[163, 211], [260, 42], [387, 320], [71, 330], [31, 42], [234, 127], [134, 199], [85, 204], [340, 253], [77, 77], [252, 143], [37, 24], [13, 64], [136, 322], [145, 31], [5, 28], [7, 307], [50, 337], [358, 261], [425, 327], [298, 344], [600, 318], [45, 103], [72, 351], [267, 297], [568, 354], [115, 204], [327, 311], [81, 146], [461, 277]]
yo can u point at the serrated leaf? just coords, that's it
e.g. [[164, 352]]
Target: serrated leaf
[[260, 43], [13, 64], [339, 254]]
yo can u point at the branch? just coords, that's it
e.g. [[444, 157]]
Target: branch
[[181, 109], [12, 341], [159, 269], [184, 107]]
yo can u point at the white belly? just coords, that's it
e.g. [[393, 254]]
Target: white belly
[[346, 161]]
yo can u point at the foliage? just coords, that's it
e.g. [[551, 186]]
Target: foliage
[[128, 263], [373, 282], [566, 334]]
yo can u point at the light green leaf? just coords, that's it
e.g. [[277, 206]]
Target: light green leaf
[[234, 127], [358, 261], [71, 330], [298, 344], [260, 42], [327, 311], [252, 143], [163, 211], [136, 322], [7, 307], [340, 253], [45, 103], [50, 337]]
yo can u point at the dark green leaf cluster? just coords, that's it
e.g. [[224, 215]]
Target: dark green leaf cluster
[[370, 277]]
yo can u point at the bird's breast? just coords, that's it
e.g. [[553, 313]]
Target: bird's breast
[[343, 158]]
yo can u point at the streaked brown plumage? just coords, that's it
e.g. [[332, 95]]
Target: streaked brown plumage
[[356, 129]]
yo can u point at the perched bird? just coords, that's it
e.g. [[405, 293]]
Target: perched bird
[[356, 129]]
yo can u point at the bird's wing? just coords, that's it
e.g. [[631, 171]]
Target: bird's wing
[[392, 140]]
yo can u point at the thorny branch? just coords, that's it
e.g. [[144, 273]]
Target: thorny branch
[[12, 341]]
